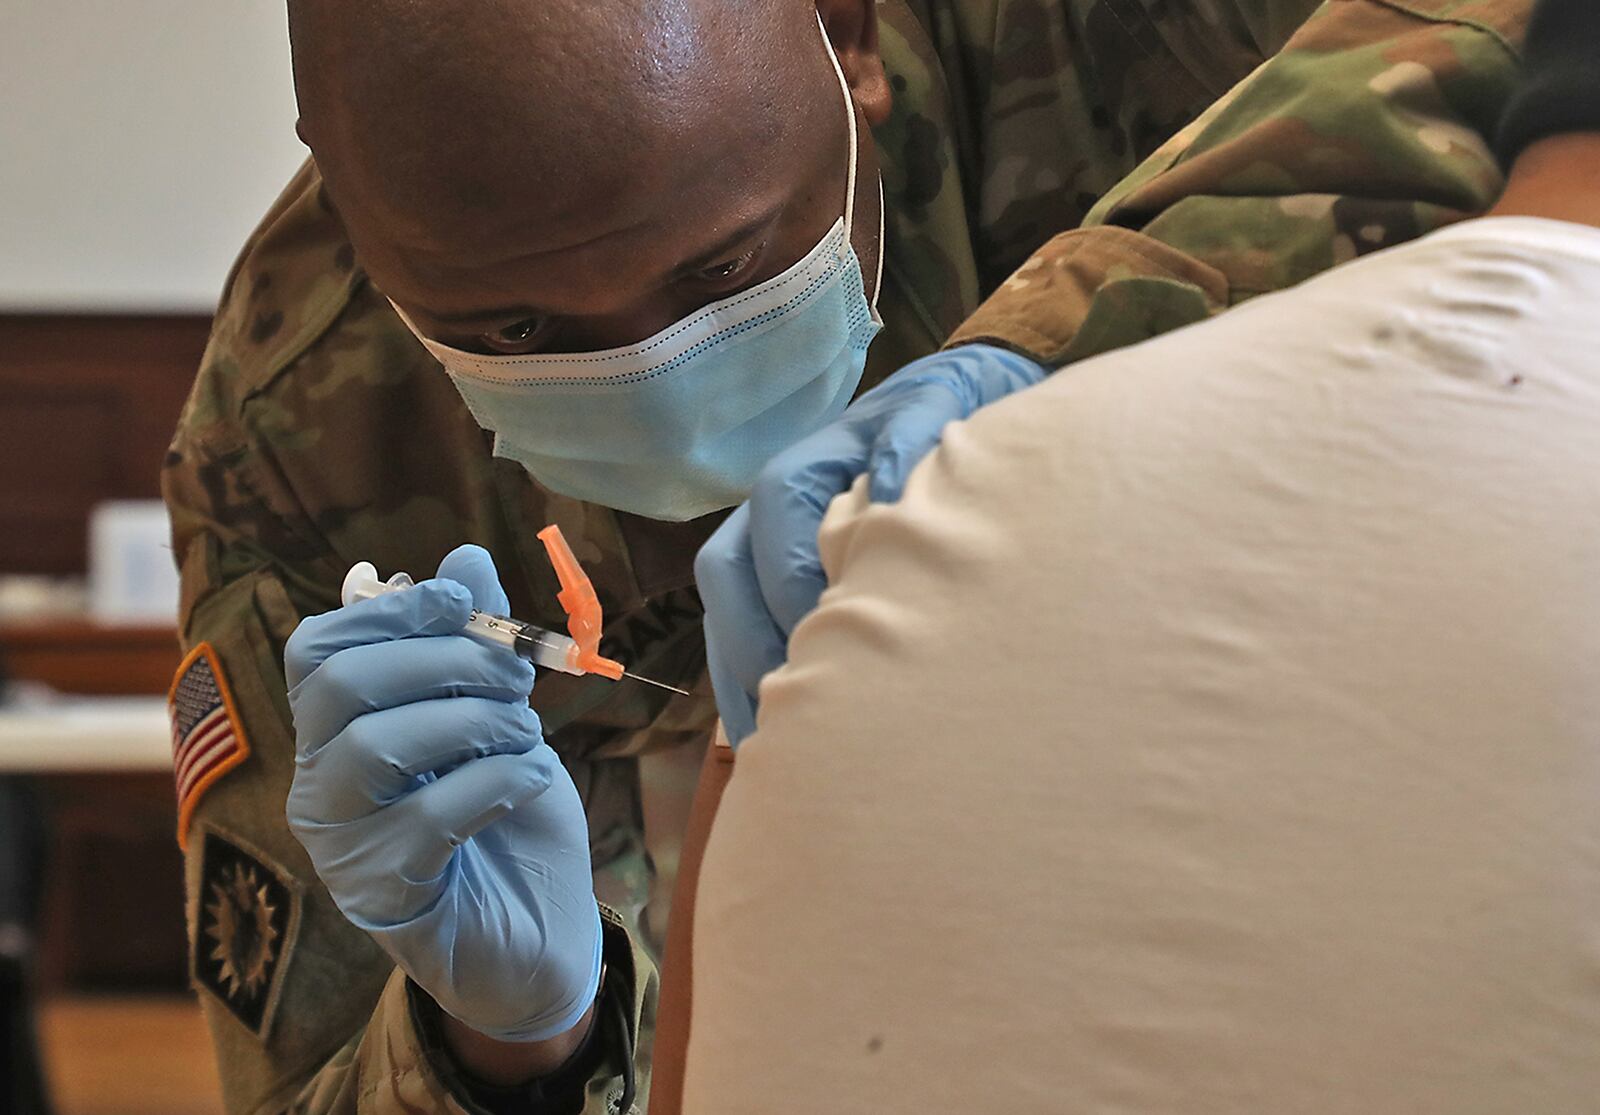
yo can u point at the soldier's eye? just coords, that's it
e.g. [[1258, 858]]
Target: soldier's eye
[[721, 274], [516, 336]]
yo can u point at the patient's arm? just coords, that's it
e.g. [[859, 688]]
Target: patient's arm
[[1550, 134], [1556, 178]]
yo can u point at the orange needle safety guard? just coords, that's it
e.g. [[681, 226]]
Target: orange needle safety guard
[[578, 600]]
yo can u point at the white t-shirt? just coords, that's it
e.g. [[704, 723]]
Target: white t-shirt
[[1214, 728]]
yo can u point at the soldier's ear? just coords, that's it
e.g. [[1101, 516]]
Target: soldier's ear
[[852, 27]]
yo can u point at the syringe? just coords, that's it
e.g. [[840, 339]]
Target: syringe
[[548, 649]]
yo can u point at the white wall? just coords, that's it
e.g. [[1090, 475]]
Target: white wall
[[140, 141]]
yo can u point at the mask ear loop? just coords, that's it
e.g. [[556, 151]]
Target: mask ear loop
[[850, 121], [877, 278], [855, 158]]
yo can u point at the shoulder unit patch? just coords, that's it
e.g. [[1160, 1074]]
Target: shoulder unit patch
[[244, 930], [207, 739]]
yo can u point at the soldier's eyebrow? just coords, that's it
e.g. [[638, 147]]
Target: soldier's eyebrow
[[717, 254], [487, 317], [477, 320]]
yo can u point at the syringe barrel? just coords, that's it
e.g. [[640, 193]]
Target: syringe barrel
[[548, 650], [487, 628]]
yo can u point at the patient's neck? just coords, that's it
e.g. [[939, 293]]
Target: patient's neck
[[1558, 178]]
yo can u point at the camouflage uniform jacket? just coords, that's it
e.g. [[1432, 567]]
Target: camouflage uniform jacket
[[320, 433]]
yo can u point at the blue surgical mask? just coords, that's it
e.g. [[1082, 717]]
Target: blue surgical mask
[[678, 425]]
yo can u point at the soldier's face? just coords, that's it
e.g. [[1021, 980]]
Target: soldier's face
[[642, 239]]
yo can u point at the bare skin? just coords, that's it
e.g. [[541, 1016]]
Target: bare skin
[[577, 175], [1555, 178]]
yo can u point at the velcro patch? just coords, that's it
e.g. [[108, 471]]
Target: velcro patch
[[207, 738], [244, 930]]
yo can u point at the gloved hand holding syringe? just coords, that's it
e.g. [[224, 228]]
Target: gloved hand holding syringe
[[440, 820], [575, 653]]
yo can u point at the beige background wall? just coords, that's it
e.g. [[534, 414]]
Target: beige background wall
[[139, 143]]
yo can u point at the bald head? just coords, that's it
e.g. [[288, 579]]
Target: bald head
[[455, 135], [452, 106]]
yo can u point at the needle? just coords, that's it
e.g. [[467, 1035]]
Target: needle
[[657, 684]]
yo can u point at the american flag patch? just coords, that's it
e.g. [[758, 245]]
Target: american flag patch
[[206, 739]]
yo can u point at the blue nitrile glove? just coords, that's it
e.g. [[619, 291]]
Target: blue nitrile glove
[[760, 572], [436, 815]]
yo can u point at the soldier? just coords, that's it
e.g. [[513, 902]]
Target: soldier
[[594, 174]]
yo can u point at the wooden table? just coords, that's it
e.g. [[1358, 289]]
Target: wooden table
[[77, 655], [100, 758]]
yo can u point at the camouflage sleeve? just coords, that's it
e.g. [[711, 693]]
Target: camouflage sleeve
[[306, 1013], [1371, 127], [395, 1064], [1012, 117]]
